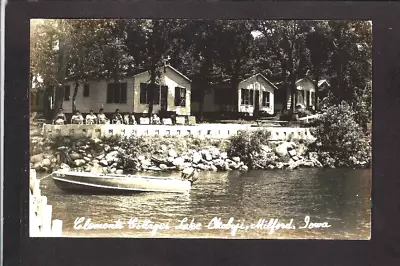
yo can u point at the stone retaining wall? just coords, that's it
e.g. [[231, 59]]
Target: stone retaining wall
[[205, 130]]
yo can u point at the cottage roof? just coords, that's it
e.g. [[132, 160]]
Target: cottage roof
[[262, 76], [170, 67]]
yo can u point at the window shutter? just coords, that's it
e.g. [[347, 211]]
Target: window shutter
[[177, 96], [86, 90], [143, 93], [156, 94], [251, 97]]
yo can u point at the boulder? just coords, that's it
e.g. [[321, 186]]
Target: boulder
[[172, 153], [119, 172], [89, 156], [280, 165], [79, 162], [46, 162], [145, 163], [196, 158], [215, 152], [141, 158], [113, 170], [236, 159], [282, 149], [296, 158], [37, 166], [100, 157], [213, 168], [244, 168], [265, 149], [292, 164], [64, 166], [104, 162], [87, 159], [62, 148], [178, 161], [163, 166], [75, 156], [96, 168], [271, 167], [88, 168], [292, 152], [107, 148], [223, 155], [313, 156]]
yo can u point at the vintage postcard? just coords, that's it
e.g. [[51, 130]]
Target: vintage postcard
[[243, 129]]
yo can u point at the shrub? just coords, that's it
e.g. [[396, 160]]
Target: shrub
[[247, 143], [340, 141]]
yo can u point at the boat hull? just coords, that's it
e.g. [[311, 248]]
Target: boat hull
[[92, 183]]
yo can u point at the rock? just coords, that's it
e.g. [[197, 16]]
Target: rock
[[95, 161], [178, 161], [163, 166], [119, 172], [170, 159], [37, 166], [164, 147], [154, 168], [114, 165], [215, 152], [226, 167], [64, 166], [62, 148], [79, 162], [141, 158], [87, 159], [244, 168], [186, 165], [89, 156], [282, 149], [105, 170], [145, 163], [265, 149], [271, 167], [317, 163], [107, 148], [280, 165], [37, 158], [82, 151], [113, 170], [236, 159], [46, 162], [96, 140], [233, 165], [223, 155], [96, 169], [295, 158], [201, 166], [213, 168], [292, 152], [292, 164], [172, 153], [104, 162], [196, 158], [100, 157], [313, 156], [75, 156], [88, 168]]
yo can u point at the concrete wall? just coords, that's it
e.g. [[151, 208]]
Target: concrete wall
[[203, 130]]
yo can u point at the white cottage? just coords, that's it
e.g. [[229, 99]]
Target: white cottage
[[305, 92], [255, 93], [131, 94]]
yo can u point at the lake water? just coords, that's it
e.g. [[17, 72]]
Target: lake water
[[337, 197]]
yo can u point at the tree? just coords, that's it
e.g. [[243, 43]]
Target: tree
[[236, 51], [287, 42]]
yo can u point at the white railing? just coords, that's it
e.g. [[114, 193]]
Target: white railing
[[205, 130]]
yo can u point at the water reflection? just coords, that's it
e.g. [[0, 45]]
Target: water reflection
[[338, 196]]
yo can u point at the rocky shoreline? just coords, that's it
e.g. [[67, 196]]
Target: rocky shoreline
[[98, 156]]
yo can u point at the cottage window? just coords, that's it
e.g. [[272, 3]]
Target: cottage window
[[144, 94], [180, 96], [247, 97], [307, 96], [67, 93], [312, 98], [86, 90], [265, 98], [251, 97], [116, 93]]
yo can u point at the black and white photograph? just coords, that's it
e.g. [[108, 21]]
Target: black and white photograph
[[194, 128]]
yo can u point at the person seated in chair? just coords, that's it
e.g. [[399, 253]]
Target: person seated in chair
[[101, 117], [60, 118], [129, 119], [117, 118], [91, 118], [77, 118], [155, 120]]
